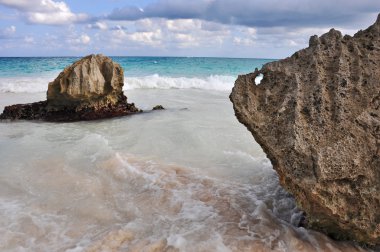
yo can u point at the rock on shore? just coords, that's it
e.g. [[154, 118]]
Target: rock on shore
[[316, 115], [89, 89]]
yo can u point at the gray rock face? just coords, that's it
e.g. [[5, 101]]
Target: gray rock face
[[316, 114]]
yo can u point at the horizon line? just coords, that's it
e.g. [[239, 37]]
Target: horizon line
[[221, 57]]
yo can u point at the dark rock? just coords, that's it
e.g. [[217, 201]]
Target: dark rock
[[30, 111], [158, 107], [316, 115]]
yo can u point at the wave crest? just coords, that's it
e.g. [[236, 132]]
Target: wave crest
[[155, 81], [212, 82], [24, 84]]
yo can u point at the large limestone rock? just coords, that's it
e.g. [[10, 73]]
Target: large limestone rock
[[94, 78], [91, 88], [316, 115]]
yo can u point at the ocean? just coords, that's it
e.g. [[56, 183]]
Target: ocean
[[188, 178]]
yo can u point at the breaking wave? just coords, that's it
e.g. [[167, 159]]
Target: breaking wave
[[155, 81], [29, 84], [212, 82]]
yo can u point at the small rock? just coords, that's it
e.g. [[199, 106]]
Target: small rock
[[158, 107]]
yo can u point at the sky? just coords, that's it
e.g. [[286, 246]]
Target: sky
[[192, 28]]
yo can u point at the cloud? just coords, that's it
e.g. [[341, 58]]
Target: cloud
[[167, 34], [264, 26], [83, 39], [234, 28], [10, 30], [29, 40], [46, 12], [152, 37], [98, 26], [171, 9], [257, 13], [118, 27], [243, 41], [7, 32]]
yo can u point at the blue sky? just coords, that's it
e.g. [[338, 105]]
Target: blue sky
[[221, 28]]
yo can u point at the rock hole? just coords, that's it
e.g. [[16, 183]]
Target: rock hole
[[258, 79]]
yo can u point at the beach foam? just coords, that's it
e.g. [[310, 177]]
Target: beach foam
[[155, 81], [175, 180], [212, 82], [24, 84]]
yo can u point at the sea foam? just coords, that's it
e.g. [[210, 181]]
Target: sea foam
[[24, 84], [39, 84], [212, 82]]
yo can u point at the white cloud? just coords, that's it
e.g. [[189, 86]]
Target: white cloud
[[183, 25], [55, 18], [187, 33], [98, 25], [46, 12], [8, 32], [146, 24], [167, 34], [239, 41], [83, 39], [152, 38], [291, 43], [185, 40], [251, 31], [29, 40], [51, 42]]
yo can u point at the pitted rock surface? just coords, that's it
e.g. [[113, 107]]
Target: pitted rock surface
[[316, 115]]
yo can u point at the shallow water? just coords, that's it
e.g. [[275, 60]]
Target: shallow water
[[189, 178]]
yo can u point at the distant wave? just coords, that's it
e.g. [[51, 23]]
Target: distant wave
[[155, 81], [213, 82]]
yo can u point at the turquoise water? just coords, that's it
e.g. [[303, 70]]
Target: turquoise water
[[32, 75], [137, 66]]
